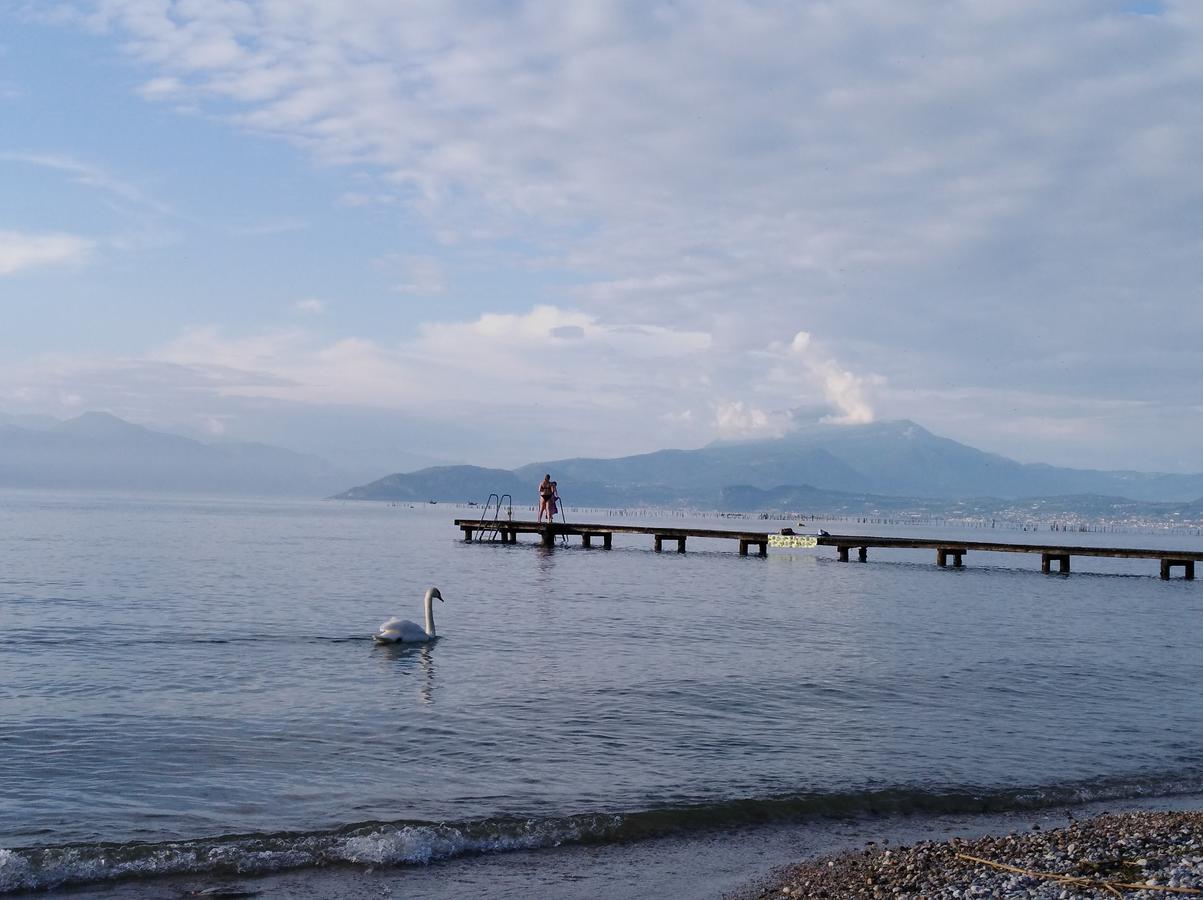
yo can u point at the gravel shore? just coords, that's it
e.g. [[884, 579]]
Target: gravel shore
[[1134, 854]]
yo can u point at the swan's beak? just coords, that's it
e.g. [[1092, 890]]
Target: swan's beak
[[437, 595]]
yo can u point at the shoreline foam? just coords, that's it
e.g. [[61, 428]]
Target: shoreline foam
[[706, 865], [420, 843]]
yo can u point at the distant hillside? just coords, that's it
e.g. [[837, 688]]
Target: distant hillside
[[886, 458], [98, 451], [453, 483], [471, 483], [823, 464]]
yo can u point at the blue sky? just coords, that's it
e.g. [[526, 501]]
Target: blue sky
[[500, 232]]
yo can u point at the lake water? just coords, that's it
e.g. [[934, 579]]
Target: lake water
[[188, 689]]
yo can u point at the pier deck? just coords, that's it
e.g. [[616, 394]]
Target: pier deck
[[1049, 553], [946, 549], [508, 531]]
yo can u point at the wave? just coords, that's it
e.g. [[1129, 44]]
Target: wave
[[416, 842]]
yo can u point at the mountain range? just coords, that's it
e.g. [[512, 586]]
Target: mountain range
[[897, 459], [822, 468], [102, 452]]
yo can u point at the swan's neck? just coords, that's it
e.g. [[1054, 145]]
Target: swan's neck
[[430, 613]]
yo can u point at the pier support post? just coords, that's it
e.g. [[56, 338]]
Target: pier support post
[[467, 534], [862, 554], [607, 539], [1047, 560], [957, 554], [764, 548], [659, 543], [1188, 568], [549, 537], [843, 553], [586, 540], [680, 545], [743, 547]]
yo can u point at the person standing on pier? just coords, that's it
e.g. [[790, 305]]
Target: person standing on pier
[[547, 491]]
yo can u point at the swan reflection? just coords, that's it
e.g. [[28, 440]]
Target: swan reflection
[[400, 658]]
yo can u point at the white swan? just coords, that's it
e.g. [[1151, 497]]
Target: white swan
[[403, 631]]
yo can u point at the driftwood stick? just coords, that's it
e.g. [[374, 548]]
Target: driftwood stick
[[1112, 887]]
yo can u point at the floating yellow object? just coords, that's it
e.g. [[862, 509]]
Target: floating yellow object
[[792, 540]]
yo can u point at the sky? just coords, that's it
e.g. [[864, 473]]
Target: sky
[[503, 231]]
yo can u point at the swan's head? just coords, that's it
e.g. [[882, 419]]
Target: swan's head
[[434, 594]]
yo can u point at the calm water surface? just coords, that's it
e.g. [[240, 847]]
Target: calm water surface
[[197, 675]]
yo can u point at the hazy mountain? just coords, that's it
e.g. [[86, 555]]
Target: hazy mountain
[[455, 483], [887, 459], [691, 473], [101, 451]]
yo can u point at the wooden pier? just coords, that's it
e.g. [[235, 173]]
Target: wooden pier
[[508, 531], [1049, 553], [947, 550]]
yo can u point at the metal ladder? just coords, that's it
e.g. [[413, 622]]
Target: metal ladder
[[494, 502], [563, 519]]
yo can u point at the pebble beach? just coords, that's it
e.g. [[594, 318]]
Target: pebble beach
[[1131, 854]]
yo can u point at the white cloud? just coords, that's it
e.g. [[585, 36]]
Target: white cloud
[[311, 306], [845, 390], [423, 275], [137, 220], [494, 363], [92, 176], [20, 251], [949, 197], [804, 370], [161, 89], [739, 421], [725, 149], [591, 384], [540, 396]]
